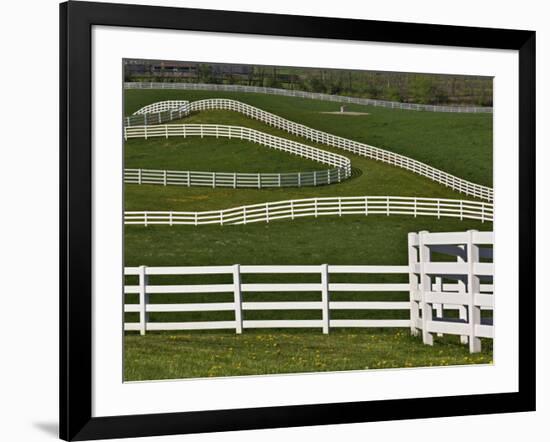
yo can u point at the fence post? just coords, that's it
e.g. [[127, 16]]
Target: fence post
[[213, 180], [425, 286], [259, 182], [462, 310], [474, 312], [234, 180], [143, 300], [139, 176], [315, 178], [165, 177], [387, 206], [237, 296], [438, 287], [325, 298], [413, 283]]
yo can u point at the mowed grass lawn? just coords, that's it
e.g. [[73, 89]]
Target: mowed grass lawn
[[223, 155], [214, 354], [213, 155], [461, 144], [348, 240], [353, 240]]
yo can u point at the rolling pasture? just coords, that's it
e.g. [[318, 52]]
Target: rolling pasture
[[457, 143]]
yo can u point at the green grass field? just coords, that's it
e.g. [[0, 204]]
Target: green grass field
[[370, 177], [460, 144], [454, 142], [222, 155], [210, 354]]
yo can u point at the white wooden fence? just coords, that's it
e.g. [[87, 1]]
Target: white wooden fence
[[309, 95], [238, 288], [441, 286], [235, 180], [315, 207], [158, 113], [162, 106], [362, 149], [472, 264], [242, 133]]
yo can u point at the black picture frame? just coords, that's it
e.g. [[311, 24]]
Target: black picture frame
[[76, 21]]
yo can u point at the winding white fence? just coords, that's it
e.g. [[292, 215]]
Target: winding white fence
[[315, 207], [242, 133], [309, 95], [362, 149], [235, 180], [473, 265], [162, 106], [439, 290]]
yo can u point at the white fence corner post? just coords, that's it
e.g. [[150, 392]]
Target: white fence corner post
[[425, 286], [474, 312], [413, 283], [143, 300], [237, 296], [325, 298]]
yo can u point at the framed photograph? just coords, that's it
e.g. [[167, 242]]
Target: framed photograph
[[273, 221]]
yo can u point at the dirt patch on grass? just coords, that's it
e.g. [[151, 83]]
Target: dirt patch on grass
[[346, 113]]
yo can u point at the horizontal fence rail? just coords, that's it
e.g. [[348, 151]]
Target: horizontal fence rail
[[235, 180], [316, 207], [471, 270], [362, 149], [243, 133], [309, 95]]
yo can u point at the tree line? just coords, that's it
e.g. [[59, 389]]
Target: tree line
[[393, 86]]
